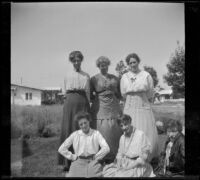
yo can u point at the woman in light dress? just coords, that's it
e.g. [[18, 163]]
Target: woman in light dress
[[77, 85], [133, 152], [86, 143], [137, 90], [105, 95]]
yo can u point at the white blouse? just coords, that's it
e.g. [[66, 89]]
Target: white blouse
[[85, 145], [141, 82], [78, 81], [136, 145]]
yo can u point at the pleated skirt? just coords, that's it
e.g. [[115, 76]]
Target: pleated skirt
[[74, 103]]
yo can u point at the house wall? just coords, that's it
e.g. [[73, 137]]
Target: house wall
[[20, 97]]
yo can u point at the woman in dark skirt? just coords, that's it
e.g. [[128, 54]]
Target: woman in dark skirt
[[77, 99]]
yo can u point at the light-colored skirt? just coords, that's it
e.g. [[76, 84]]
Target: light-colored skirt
[[85, 168], [111, 170], [138, 107]]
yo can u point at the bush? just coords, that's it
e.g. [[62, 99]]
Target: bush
[[35, 120]]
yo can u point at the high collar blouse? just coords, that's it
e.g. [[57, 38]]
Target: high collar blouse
[[85, 145], [141, 82], [78, 81]]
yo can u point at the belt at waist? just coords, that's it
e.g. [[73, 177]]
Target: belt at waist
[[81, 92], [86, 157]]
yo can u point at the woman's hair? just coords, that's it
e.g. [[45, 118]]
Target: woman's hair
[[132, 55], [74, 54], [102, 59], [124, 119], [175, 125], [81, 115]]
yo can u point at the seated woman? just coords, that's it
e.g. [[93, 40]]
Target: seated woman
[[172, 158], [133, 152], [86, 143]]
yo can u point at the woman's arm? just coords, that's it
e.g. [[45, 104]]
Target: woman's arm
[[63, 149], [92, 90], [145, 150], [123, 87], [150, 92], [103, 145], [87, 88]]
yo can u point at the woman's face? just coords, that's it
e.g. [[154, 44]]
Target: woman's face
[[133, 64], [103, 68], [77, 63], [171, 134], [84, 125], [126, 128]]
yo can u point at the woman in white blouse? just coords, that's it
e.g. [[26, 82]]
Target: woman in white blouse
[[137, 90], [86, 143], [133, 152], [77, 86]]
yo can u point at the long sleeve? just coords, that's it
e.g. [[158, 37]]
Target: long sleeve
[[150, 92], [146, 147], [92, 89], [87, 88], [118, 91], [63, 149], [119, 153], [103, 145], [123, 86]]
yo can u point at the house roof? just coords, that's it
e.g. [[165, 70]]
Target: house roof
[[52, 88], [165, 91], [16, 85]]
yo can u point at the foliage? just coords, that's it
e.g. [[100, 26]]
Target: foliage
[[153, 74], [43, 121], [176, 72], [121, 68]]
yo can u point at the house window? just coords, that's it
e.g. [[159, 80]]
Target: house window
[[30, 96], [26, 96]]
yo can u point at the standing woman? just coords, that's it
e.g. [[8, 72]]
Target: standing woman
[[77, 99], [137, 90], [105, 95]]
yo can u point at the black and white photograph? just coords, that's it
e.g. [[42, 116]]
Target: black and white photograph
[[97, 89]]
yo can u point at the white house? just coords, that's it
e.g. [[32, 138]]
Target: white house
[[165, 94], [24, 95]]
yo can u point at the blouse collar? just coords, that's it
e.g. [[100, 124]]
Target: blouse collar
[[83, 134], [74, 70]]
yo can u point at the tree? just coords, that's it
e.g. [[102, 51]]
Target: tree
[[121, 68], [153, 74], [176, 72]]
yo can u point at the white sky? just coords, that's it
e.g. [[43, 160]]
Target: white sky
[[43, 35]]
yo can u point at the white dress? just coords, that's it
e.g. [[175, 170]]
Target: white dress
[[137, 145], [138, 89]]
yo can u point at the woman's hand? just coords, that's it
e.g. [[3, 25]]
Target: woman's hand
[[131, 165], [74, 157]]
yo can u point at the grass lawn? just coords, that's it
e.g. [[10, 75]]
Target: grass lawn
[[42, 161]]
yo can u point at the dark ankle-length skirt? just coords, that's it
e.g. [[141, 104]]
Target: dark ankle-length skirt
[[74, 103]]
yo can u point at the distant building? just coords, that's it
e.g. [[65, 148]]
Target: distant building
[[52, 95], [165, 95], [24, 95]]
